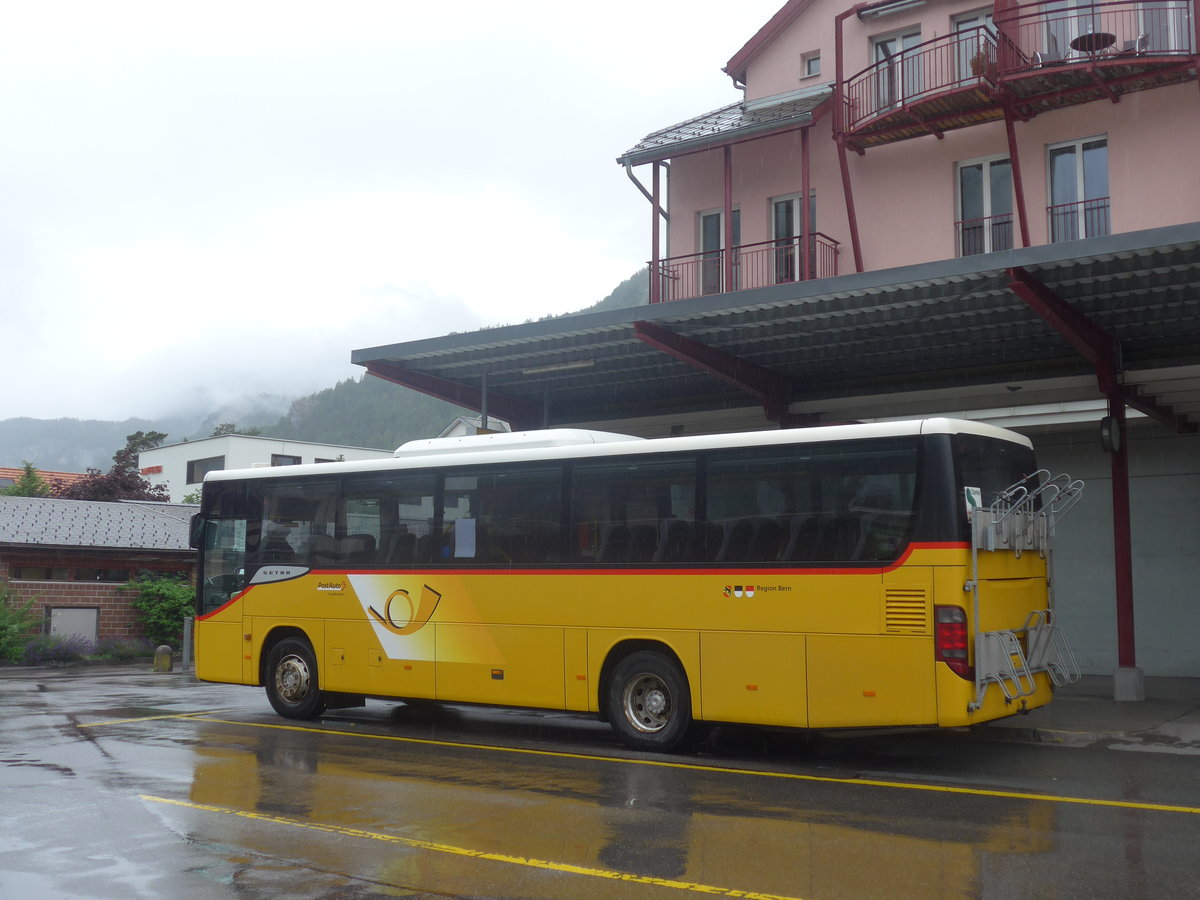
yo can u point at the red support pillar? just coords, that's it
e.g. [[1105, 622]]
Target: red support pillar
[[839, 128], [655, 225], [727, 255], [805, 211], [1018, 185], [1122, 542]]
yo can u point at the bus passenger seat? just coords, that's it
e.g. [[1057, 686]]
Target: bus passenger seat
[[643, 540], [675, 541], [614, 544], [358, 548], [399, 549], [768, 535]]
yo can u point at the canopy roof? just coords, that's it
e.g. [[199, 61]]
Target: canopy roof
[[941, 337]]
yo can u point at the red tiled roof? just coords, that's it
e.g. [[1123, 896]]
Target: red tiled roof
[[64, 478]]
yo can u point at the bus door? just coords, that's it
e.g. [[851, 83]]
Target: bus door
[[218, 632]]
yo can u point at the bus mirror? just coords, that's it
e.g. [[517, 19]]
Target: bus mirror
[[196, 535]]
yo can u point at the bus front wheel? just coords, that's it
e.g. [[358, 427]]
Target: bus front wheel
[[292, 685], [649, 704]]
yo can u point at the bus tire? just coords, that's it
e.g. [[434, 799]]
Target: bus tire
[[292, 684], [649, 702]]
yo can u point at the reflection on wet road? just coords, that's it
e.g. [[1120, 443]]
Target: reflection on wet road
[[163, 785]]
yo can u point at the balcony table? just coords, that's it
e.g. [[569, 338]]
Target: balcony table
[[1094, 42]]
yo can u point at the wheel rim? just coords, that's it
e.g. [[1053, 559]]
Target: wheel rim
[[647, 702], [292, 678]]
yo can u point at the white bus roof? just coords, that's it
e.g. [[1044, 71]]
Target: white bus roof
[[571, 443]]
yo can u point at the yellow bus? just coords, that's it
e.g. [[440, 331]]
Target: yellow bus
[[870, 575]]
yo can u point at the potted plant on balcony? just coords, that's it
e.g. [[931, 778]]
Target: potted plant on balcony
[[982, 65]]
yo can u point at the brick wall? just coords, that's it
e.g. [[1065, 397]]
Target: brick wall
[[116, 618]]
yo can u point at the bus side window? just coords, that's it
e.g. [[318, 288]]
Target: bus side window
[[636, 510], [388, 519]]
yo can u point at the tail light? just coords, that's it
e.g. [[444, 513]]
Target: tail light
[[951, 641]]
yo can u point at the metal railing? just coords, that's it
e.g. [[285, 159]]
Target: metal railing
[[754, 266], [986, 235], [1082, 219], [1024, 39], [962, 59], [1046, 34]]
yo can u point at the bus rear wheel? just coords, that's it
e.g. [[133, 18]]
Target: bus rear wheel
[[649, 703], [292, 684]]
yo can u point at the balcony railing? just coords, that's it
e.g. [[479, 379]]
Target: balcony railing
[[986, 235], [754, 266], [962, 59], [1047, 34], [1038, 56], [1083, 219]]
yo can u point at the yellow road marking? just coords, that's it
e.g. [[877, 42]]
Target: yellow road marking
[[190, 715], [566, 868], [727, 770]]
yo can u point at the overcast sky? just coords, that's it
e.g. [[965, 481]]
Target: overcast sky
[[199, 200]]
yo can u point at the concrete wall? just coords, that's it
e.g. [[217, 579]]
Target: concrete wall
[[168, 465], [1165, 520]]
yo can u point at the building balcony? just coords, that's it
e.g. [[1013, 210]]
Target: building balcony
[[1039, 57], [752, 266]]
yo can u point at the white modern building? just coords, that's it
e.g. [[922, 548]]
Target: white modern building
[[181, 467]]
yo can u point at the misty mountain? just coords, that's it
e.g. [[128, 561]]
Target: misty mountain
[[75, 445], [363, 412]]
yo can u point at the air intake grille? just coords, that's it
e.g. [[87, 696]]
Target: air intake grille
[[906, 611]]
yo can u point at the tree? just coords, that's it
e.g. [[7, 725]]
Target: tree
[[30, 484], [123, 481], [231, 428]]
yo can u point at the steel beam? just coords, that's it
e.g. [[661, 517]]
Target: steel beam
[[768, 387], [1093, 343]]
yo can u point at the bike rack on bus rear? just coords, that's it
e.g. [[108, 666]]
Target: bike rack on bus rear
[[1022, 518]]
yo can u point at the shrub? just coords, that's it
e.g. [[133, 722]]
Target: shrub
[[55, 648], [161, 604], [17, 620]]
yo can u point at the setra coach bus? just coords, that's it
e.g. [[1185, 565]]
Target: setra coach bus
[[873, 575]]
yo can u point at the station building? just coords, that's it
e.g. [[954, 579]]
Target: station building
[[914, 208]]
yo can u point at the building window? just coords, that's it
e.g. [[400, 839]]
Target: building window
[[811, 63], [198, 468], [112, 576], [897, 71], [712, 242], [1078, 190], [788, 236], [283, 459], [985, 206], [39, 573], [975, 36]]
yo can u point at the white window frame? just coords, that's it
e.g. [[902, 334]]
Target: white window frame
[[964, 52], [1082, 231], [906, 75], [706, 279], [986, 162]]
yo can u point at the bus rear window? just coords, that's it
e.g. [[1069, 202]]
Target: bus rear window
[[989, 464]]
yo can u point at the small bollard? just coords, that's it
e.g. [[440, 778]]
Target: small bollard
[[163, 659]]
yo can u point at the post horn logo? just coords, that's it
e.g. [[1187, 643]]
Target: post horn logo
[[417, 616]]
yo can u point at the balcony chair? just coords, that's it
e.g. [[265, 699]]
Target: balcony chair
[[1137, 46], [1050, 56]]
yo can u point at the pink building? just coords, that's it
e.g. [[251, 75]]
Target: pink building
[[921, 130]]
